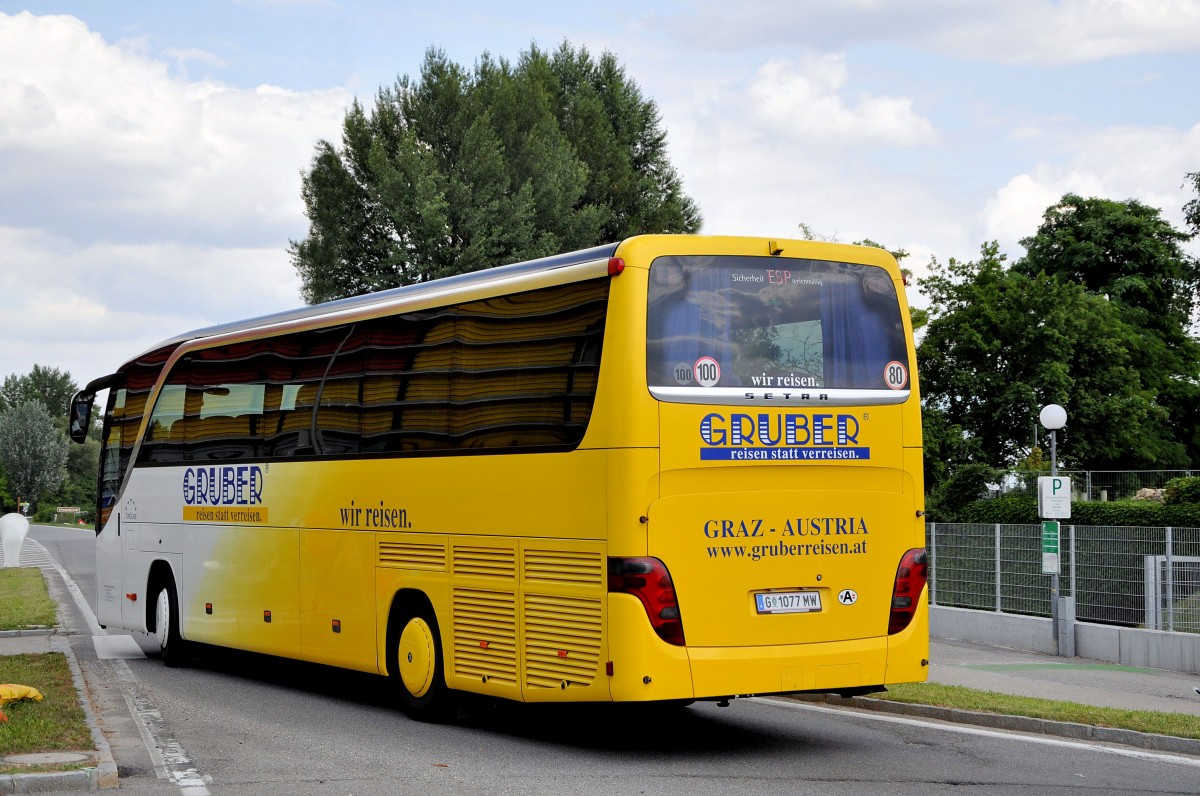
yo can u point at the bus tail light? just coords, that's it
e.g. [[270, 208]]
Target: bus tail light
[[649, 581], [615, 266], [911, 577]]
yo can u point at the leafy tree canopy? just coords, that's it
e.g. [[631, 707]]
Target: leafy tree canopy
[[1125, 251], [50, 387], [460, 170], [1001, 344], [33, 450], [1130, 255]]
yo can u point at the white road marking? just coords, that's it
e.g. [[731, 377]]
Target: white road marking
[[965, 729], [168, 755], [109, 648]]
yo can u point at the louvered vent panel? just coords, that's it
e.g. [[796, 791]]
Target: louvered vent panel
[[562, 641], [564, 566], [487, 562], [485, 635], [410, 555]]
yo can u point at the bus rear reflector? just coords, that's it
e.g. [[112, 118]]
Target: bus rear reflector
[[615, 266], [649, 581], [911, 577]]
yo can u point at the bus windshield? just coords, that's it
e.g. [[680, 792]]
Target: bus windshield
[[771, 324]]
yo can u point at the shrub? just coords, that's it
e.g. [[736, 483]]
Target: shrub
[[1008, 510], [1182, 490], [966, 485], [1022, 510]]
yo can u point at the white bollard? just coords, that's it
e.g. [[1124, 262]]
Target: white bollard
[[13, 528]]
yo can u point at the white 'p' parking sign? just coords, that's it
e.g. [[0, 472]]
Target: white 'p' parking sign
[[1054, 497]]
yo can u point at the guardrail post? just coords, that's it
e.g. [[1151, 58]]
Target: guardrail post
[[1071, 547], [1066, 606], [1170, 585], [997, 546], [933, 563]]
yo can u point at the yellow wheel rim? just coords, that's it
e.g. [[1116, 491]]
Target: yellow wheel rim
[[417, 657]]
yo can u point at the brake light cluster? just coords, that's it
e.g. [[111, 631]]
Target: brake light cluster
[[911, 576], [649, 581]]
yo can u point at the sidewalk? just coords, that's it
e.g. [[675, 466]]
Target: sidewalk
[[1066, 679], [102, 773]]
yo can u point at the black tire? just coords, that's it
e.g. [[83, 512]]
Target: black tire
[[419, 674], [166, 624]]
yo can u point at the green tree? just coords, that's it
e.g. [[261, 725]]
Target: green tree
[[78, 488], [456, 171], [1127, 253], [51, 387], [7, 500], [1001, 344], [33, 451]]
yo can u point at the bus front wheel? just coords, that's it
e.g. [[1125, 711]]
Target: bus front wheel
[[166, 624], [419, 673]]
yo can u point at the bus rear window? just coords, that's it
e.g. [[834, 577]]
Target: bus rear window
[[725, 324]]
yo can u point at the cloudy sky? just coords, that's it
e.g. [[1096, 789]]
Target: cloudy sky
[[150, 152]]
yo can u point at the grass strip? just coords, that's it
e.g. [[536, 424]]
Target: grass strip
[[54, 724], [24, 600], [1180, 725]]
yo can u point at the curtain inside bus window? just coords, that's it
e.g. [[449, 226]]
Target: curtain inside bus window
[[861, 323]]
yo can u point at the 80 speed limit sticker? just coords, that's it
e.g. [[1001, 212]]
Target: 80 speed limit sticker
[[895, 375]]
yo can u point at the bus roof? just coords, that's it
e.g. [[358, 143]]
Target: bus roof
[[384, 297]]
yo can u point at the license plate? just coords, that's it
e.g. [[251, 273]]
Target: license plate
[[787, 602]]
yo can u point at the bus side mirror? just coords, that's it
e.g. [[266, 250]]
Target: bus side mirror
[[81, 415]]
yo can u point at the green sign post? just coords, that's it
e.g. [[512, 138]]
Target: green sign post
[[1050, 536]]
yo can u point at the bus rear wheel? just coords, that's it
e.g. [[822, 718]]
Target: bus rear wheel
[[166, 624], [419, 673]]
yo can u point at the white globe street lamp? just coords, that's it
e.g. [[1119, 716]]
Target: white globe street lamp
[[1053, 417]]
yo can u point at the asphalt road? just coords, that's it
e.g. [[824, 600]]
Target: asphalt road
[[240, 723]]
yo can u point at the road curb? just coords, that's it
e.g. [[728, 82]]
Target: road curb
[[105, 773], [999, 721], [46, 631]]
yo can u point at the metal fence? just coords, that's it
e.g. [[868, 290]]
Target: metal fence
[[1128, 576], [1099, 485]]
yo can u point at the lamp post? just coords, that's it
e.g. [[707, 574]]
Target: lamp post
[[1053, 417]]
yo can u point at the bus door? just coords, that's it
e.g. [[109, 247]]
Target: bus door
[[112, 526]]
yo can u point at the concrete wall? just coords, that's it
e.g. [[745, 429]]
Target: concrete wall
[[1128, 646]]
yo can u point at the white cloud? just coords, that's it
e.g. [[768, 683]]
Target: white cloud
[[785, 142], [1006, 31], [107, 137], [1071, 31], [88, 308], [1117, 163], [804, 101], [135, 205]]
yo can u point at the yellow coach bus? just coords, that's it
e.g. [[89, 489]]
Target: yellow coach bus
[[675, 468]]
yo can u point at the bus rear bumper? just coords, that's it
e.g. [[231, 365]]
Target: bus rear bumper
[[828, 666]]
